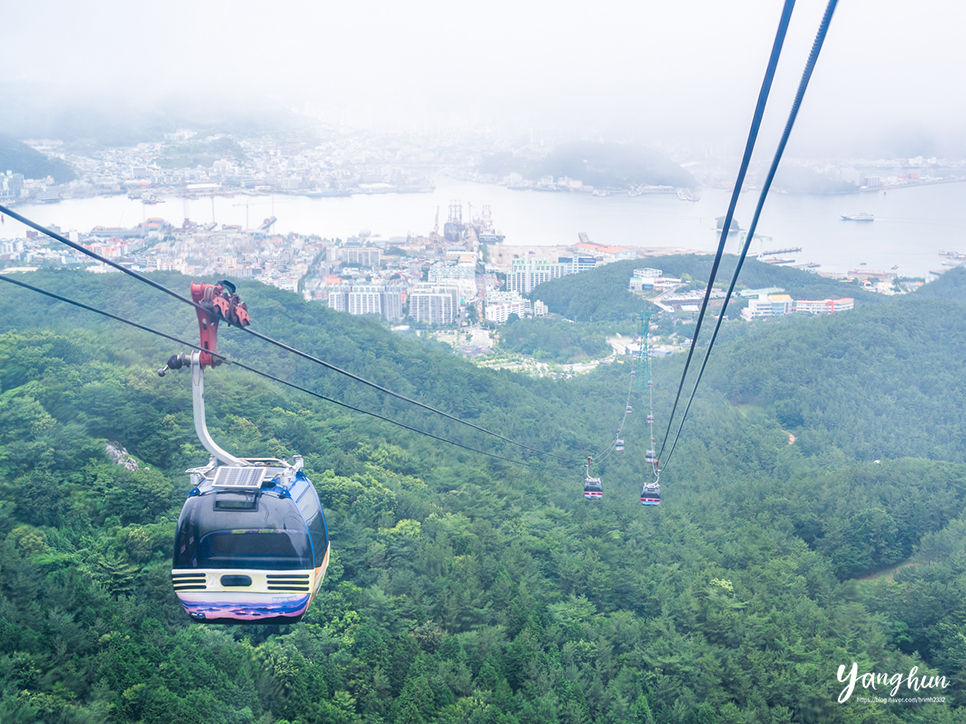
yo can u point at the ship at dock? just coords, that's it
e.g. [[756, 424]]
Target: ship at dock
[[326, 193]]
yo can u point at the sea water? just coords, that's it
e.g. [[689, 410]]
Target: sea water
[[912, 225]]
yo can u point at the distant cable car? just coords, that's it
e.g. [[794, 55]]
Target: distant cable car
[[633, 373], [629, 410], [251, 544], [619, 445], [651, 494], [650, 456], [593, 490], [650, 419]]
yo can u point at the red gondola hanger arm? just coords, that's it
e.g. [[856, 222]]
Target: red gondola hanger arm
[[217, 301]]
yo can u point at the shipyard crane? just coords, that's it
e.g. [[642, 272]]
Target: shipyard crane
[[246, 204]]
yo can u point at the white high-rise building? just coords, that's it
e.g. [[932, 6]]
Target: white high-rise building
[[338, 298], [382, 299], [500, 305], [525, 274], [392, 308], [432, 304], [366, 299], [363, 256]]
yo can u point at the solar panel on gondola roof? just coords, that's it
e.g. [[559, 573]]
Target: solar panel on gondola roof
[[239, 478]]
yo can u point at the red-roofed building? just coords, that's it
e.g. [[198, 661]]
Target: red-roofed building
[[606, 253]]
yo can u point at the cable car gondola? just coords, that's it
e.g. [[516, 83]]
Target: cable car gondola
[[629, 410], [619, 445], [251, 544], [650, 456], [651, 494], [593, 490]]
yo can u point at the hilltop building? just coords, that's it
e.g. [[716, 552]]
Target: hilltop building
[[644, 279], [576, 264], [778, 305], [768, 305], [824, 306]]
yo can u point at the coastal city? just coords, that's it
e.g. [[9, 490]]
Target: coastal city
[[458, 273], [187, 164]]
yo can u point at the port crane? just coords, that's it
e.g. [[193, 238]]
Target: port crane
[[263, 227]]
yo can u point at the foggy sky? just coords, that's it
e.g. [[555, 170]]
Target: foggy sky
[[670, 71]]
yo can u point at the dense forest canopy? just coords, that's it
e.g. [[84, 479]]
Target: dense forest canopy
[[464, 589], [553, 340]]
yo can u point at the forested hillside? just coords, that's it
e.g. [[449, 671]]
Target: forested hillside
[[467, 589], [601, 294], [20, 158], [594, 164], [553, 340]]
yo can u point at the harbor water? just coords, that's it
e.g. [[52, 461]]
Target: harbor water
[[912, 225]]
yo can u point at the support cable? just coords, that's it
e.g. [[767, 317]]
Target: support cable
[[729, 216], [802, 86], [266, 375], [606, 452], [646, 355]]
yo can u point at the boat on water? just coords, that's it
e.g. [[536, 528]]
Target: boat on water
[[861, 216]]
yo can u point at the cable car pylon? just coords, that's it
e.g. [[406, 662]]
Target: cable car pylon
[[642, 377], [651, 492]]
